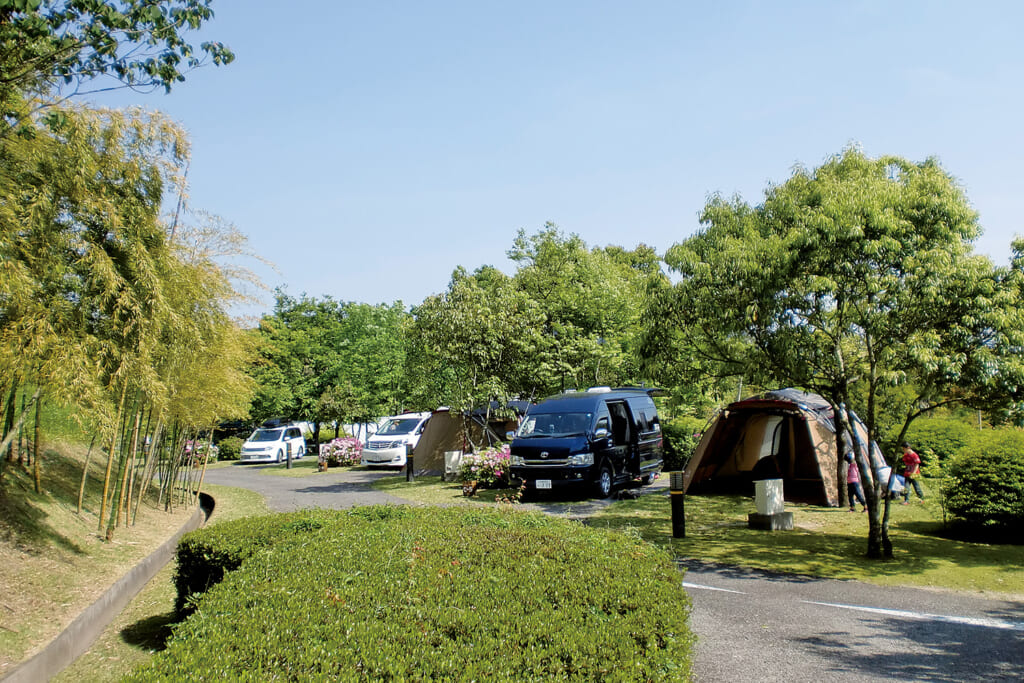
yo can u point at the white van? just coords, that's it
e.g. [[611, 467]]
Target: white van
[[271, 444], [395, 435]]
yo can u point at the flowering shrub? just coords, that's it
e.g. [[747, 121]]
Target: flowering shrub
[[343, 452], [488, 467], [196, 453]]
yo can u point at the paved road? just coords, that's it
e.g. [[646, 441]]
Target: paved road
[[758, 626]]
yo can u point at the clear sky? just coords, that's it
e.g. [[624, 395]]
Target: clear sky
[[369, 148]]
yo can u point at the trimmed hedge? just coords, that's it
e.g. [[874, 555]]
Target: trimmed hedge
[[399, 593], [985, 486]]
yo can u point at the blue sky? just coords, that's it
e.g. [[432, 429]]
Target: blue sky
[[369, 148]]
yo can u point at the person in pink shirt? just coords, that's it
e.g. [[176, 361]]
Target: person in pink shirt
[[853, 488]]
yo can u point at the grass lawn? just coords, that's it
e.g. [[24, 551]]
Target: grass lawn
[[827, 542]]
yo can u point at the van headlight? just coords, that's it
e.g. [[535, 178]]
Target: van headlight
[[581, 459], [517, 461]]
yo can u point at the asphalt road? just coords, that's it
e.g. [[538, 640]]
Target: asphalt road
[[758, 626]]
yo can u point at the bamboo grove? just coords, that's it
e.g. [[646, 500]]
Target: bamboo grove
[[110, 307]]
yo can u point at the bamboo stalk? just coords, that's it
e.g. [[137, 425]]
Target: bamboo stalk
[[85, 473], [110, 458]]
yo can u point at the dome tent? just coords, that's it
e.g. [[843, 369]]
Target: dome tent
[[785, 434]]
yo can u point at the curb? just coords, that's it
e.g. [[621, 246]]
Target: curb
[[79, 636]]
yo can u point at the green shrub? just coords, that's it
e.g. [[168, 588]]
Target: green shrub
[[941, 438], [230, 448], [681, 436], [204, 556], [398, 593], [985, 486]]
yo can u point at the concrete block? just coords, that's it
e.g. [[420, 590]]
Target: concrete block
[[780, 521]]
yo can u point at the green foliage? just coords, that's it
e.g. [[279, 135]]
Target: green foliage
[[49, 48], [681, 436], [230, 448], [945, 437], [430, 594], [329, 361], [985, 484], [849, 278]]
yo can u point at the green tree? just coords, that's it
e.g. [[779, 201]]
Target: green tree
[[58, 48], [316, 352], [475, 342], [856, 275], [592, 302]]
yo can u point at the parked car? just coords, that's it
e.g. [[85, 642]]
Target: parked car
[[397, 435], [271, 444], [600, 438]]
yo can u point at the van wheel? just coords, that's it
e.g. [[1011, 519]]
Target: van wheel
[[302, 452], [603, 485], [649, 479], [280, 456]]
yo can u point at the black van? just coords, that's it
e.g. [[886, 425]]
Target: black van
[[599, 438]]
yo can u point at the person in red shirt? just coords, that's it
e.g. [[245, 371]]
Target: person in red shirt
[[911, 472]]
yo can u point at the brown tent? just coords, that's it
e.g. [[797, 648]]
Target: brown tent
[[785, 434], [446, 431]]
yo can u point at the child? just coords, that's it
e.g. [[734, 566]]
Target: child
[[853, 489]]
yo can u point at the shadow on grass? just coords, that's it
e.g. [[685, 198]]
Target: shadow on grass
[[150, 633], [23, 519]]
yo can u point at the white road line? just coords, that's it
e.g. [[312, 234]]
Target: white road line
[[967, 621], [711, 588]]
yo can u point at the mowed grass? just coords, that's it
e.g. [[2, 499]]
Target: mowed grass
[[826, 542], [145, 624], [55, 560]]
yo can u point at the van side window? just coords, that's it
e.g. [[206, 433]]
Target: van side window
[[648, 423]]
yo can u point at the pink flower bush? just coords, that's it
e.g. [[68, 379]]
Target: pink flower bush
[[344, 451], [489, 467]]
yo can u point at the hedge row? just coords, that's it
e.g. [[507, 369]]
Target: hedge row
[[399, 593], [985, 481]]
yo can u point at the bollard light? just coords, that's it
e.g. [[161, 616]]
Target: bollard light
[[678, 496], [410, 475]]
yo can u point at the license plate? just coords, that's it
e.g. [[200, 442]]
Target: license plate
[[543, 483]]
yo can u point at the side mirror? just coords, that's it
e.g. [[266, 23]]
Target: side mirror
[[509, 435], [601, 433]]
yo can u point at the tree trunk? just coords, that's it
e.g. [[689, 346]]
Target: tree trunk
[[8, 449], [870, 492], [85, 474], [150, 468], [10, 434], [21, 435], [110, 457], [133, 448], [37, 473]]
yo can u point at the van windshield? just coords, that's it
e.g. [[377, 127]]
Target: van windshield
[[403, 425], [555, 425], [266, 435]]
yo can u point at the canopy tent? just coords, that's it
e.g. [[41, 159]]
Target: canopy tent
[[446, 431], [786, 434]]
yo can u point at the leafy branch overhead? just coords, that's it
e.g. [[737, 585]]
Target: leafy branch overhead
[[54, 49]]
